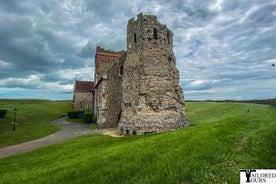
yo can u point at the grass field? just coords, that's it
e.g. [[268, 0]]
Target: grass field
[[222, 139], [32, 119]]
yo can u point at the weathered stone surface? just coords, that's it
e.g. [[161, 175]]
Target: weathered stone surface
[[140, 93], [104, 59], [152, 98], [82, 101], [83, 95], [108, 97]]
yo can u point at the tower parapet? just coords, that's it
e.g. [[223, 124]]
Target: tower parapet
[[147, 32]]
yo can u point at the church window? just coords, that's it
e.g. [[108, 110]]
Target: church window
[[135, 38], [155, 33]]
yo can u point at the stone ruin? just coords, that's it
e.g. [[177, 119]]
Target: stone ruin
[[138, 90]]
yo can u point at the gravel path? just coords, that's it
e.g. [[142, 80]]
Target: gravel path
[[69, 130]]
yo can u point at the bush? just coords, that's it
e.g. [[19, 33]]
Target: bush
[[75, 114], [88, 117], [3, 113]]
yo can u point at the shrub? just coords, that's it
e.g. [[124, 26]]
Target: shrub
[[75, 114], [3, 113], [88, 117]]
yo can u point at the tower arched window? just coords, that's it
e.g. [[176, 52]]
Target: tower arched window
[[155, 33], [168, 37], [135, 37]]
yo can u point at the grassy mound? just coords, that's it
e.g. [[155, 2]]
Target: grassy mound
[[32, 119], [223, 138]]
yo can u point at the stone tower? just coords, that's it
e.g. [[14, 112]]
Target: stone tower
[[152, 100]]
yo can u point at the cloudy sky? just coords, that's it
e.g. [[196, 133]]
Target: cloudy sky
[[224, 48]]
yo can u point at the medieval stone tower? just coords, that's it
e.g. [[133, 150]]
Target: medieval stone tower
[[152, 100], [138, 90]]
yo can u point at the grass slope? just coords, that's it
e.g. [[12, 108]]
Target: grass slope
[[223, 139], [32, 119]]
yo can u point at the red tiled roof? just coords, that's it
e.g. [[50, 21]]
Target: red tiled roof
[[84, 86]]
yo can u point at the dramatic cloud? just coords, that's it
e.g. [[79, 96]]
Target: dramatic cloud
[[224, 49]]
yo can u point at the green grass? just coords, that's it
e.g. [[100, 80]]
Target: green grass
[[32, 119], [223, 139], [93, 127]]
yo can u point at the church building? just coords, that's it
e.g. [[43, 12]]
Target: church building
[[138, 90]]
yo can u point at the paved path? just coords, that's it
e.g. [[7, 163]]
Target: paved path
[[69, 130]]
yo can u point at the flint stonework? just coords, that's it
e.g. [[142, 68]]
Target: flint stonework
[[139, 92]]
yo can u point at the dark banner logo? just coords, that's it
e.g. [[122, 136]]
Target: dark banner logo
[[248, 173], [266, 176]]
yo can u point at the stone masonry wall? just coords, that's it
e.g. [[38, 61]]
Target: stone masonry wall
[[110, 97], [152, 98], [82, 100], [99, 104], [104, 59]]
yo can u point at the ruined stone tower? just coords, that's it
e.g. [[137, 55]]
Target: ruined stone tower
[[152, 100]]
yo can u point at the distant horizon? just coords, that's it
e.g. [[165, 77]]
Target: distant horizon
[[187, 100]]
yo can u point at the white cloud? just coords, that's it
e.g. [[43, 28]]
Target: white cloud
[[79, 74], [217, 6], [35, 81], [248, 14], [4, 64], [223, 48], [31, 81]]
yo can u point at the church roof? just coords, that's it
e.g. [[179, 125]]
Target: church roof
[[84, 86]]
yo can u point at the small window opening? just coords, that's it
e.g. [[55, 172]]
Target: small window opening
[[155, 33], [169, 58], [168, 37], [135, 39], [121, 70], [127, 132], [134, 132]]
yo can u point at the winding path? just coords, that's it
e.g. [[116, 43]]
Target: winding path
[[69, 130]]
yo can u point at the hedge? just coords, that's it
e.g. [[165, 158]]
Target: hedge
[[3, 113], [88, 117], [75, 114]]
